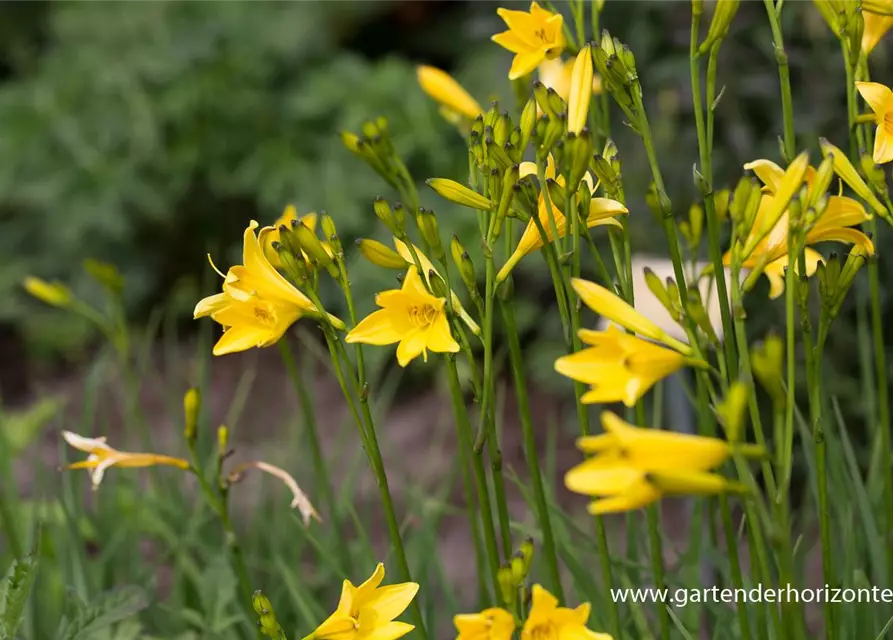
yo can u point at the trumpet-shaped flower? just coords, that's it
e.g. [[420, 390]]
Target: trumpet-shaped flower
[[602, 211], [410, 316], [258, 304], [428, 268], [619, 367], [634, 467], [548, 621], [451, 96], [490, 624], [102, 457], [533, 36], [367, 612], [876, 27], [880, 99], [835, 224], [557, 74]]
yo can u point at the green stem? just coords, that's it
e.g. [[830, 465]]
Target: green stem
[[463, 428], [784, 76], [320, 468], [530, 451], [705, 146]]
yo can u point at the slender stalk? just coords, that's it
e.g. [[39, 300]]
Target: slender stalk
[[320, 468], [705, 147], [530, 451], [784, 76], [463, 428]]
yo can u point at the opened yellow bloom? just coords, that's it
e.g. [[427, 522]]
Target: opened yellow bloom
[[835, 224], [367, 612], [533, 36], [876, 27], [258, 304], [490, 624], [608, 304], [880, 99], [427, 268], [602, 211], [556, 74], [619, 367], [447, 92], [634, 466], [410, 316], [548, 621], [102, 457]]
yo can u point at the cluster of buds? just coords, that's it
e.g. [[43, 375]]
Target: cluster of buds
[[512, 576], [835, 279], [667, 293], [844, 17], [606, 168], [375, 147], [301, 253], [617, 67]]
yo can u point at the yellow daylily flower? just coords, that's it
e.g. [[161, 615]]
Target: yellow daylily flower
[[410, 316], [556, 74], [616, 309], [447, 92], [880, 99], [490, 624], [602, 211], [289, 215], [102, 457], [548, 621], [258, 304], [876, 27], [835, 224], [619, 367], [427, 267], [580, 91], [533, 36], [367, 612], [634, 466]]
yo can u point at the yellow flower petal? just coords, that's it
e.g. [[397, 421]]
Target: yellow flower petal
[[594, 479], [878, 96], [842, 234], [512, 41], [876, 26], [410, 347], [524, 63], [378, 328], [390, 631], [392, 600], [883, 144], [769, 173], [639, 495], [240, 338], [444, 89]]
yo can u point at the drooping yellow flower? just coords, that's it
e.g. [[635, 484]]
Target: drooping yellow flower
[[490, 624], [533, 36], [880, 99], [410, 316], [548, 621], [451, 96], [876, 27], [634, 466], [602, 211], [835, 224], [102, 457], [367, 612], [258, 304], [619, 367], [556, 74]]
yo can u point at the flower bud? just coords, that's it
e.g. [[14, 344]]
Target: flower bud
[[508, 587], [517, 564], [427, 223], [330, 234], [384, 213], [731, 411], [311, 246], [820, 183], [580, 91], [465, 266], [381, 255], [578, 151], [266, 622], [528, 122], [654, 284], [526, 198], [107, 275], [526, 552], [766, 360], [458, 193], [509, 180], [437, 284], [557, 193], [192, 402], [222, 441], [497, 155], [502, 127], [541, 96], [694, 306], [723, 14], [54, 293]]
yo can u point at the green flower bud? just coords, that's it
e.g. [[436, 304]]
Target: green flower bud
[[528, 122], [107, 275], [192, 402], [767, 359], [266, 622], [427, 223], [458, 193], [654, 284], [722, 17], [384, 213], [731, 411], [380, 254], [508, 587]]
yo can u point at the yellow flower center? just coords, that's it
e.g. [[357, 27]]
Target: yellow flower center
[[265, 316], [541, 34], [888, 121], [422, 315], [545, 631]]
